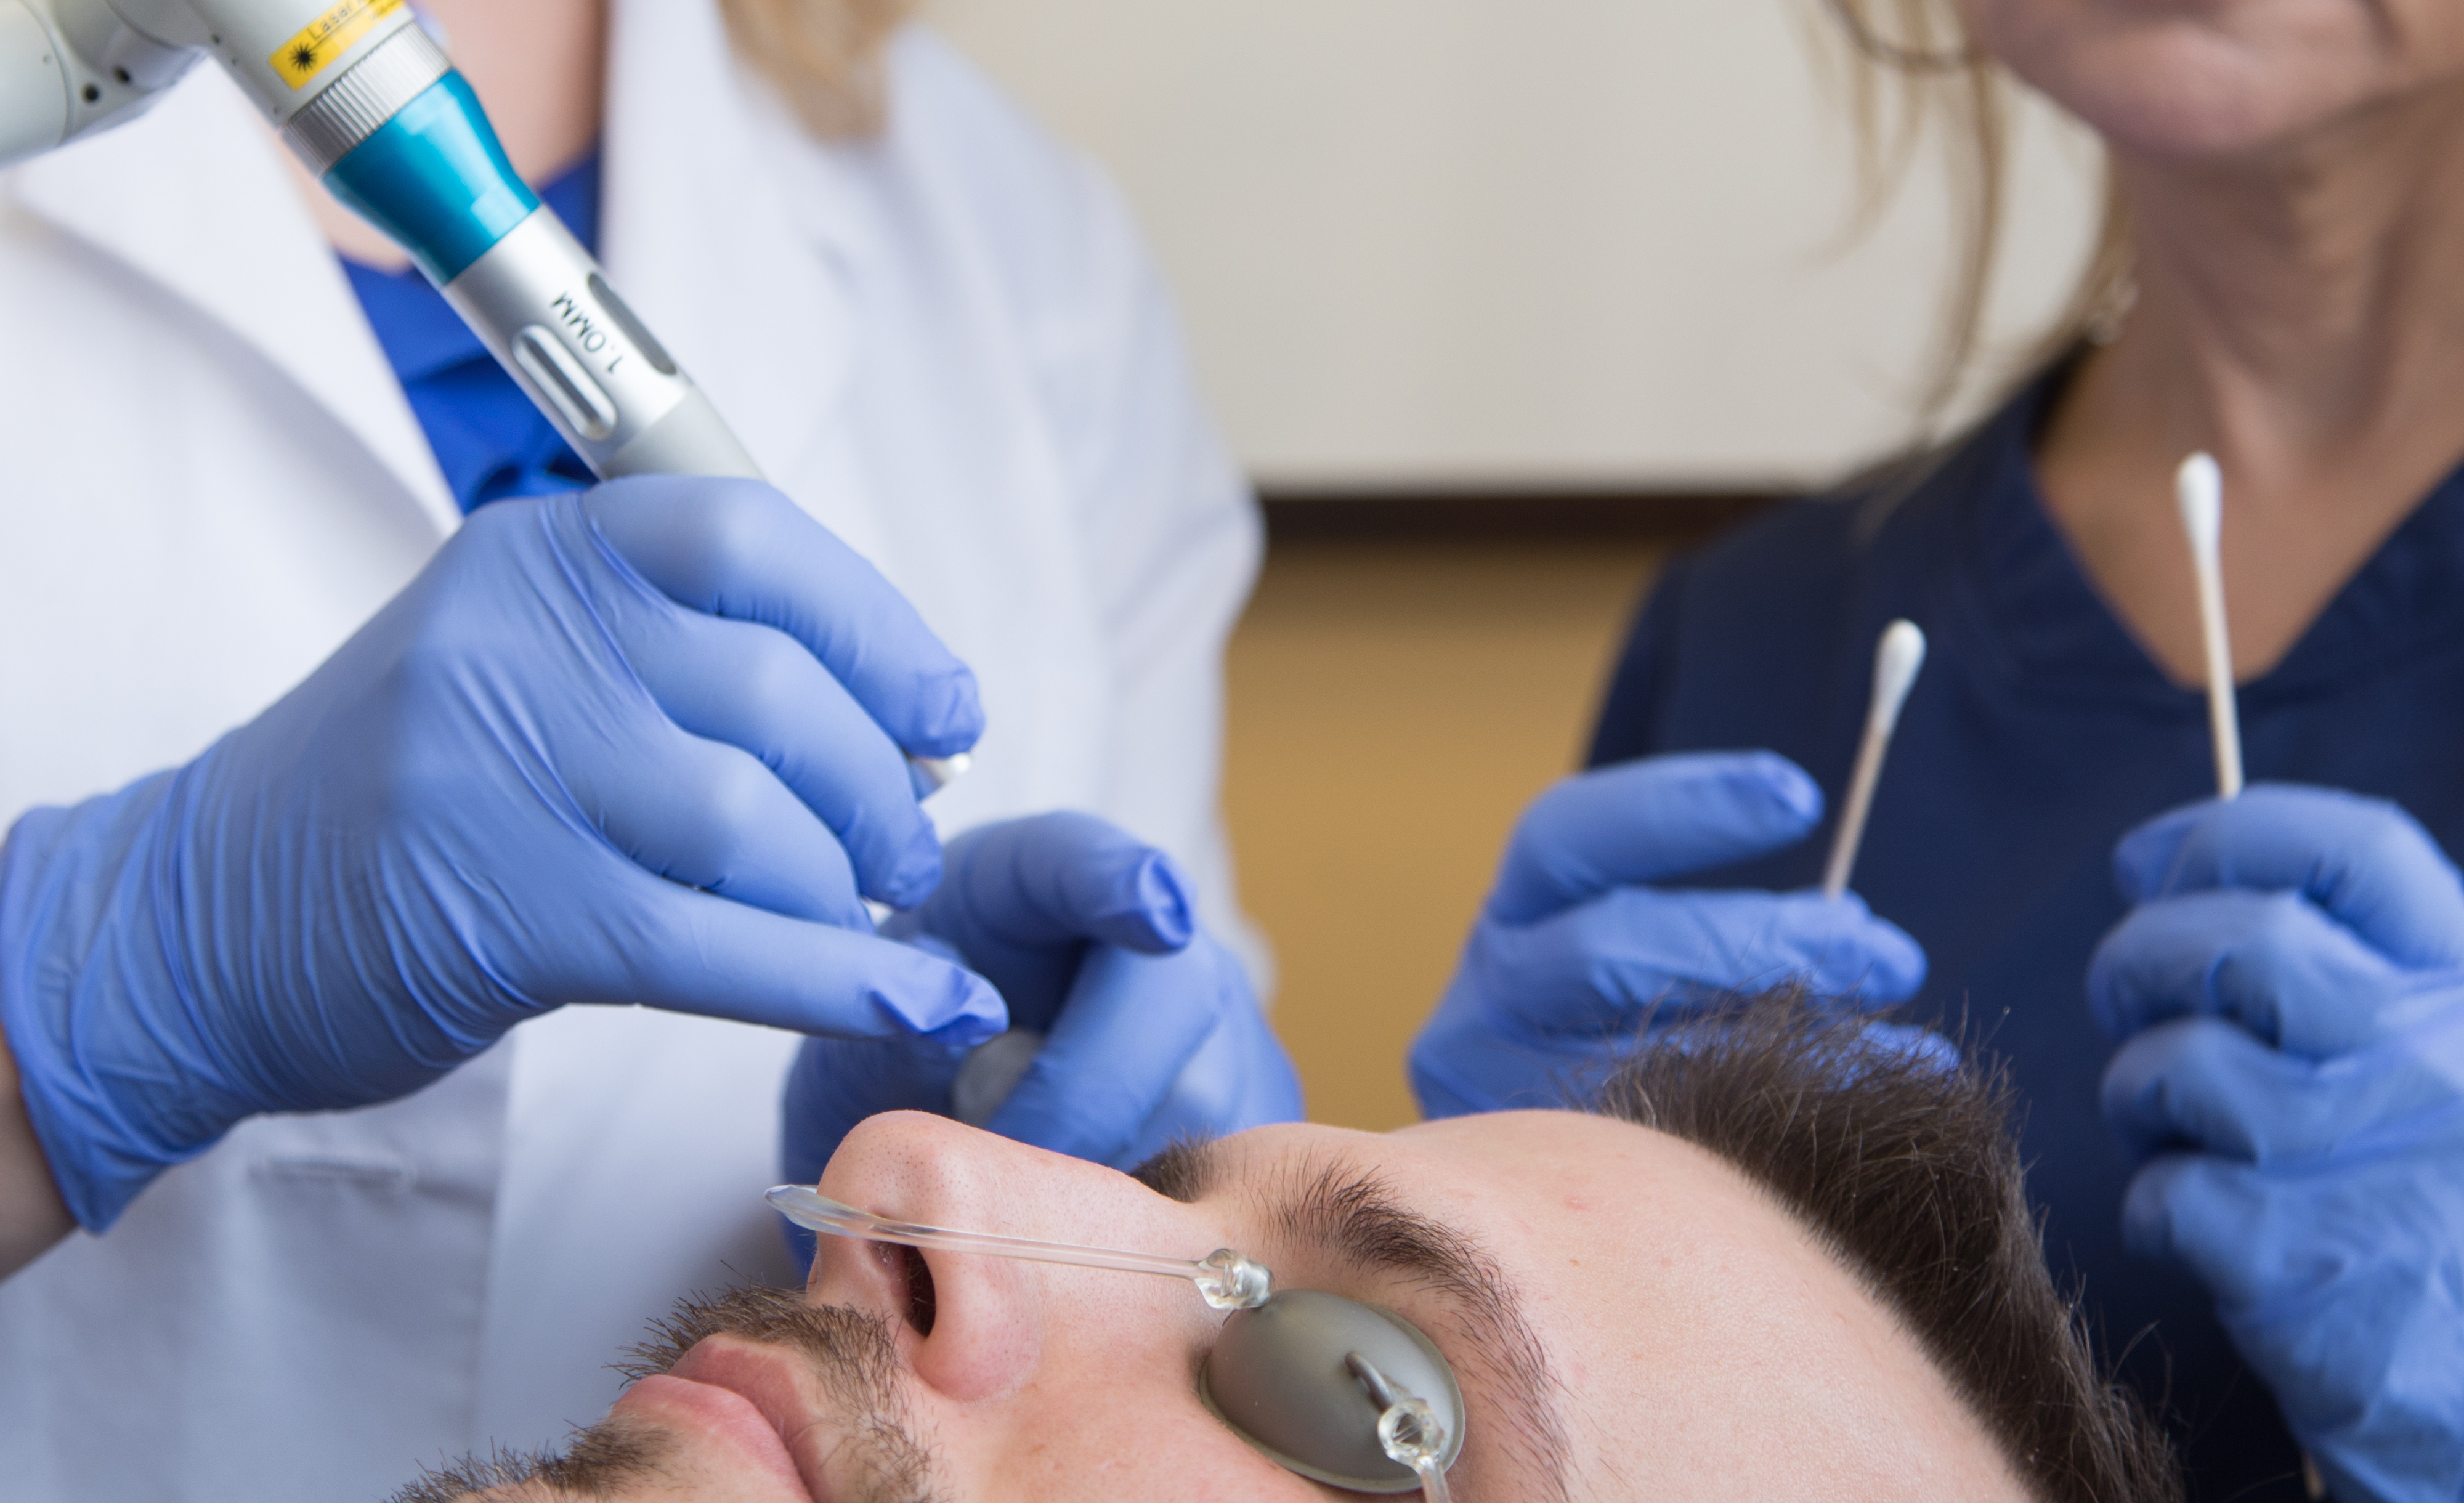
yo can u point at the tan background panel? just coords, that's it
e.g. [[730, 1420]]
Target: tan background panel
[[1393, 705]]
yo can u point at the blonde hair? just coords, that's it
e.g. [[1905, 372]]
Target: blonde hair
[[1911, 67], [824, 55]]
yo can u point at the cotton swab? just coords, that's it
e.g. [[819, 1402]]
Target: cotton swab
[[1897, 657], [2200, 488]]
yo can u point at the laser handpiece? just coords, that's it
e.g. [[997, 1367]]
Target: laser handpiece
[[371, 104], [368, 101]]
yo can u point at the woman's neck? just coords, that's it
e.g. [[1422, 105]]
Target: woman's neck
[[2301, 318], [540, 69]]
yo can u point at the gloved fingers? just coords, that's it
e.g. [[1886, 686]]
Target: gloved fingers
[[2365, 862], [1240, 1079], [1836, 945], [1057, 879], [1462, 1062], [1649, 820], [2266, 1242], [1131, 1024], [660, 946], [740, 549], [2208, 1214], [2268, 961], [2338, 1286], [2208, 1084], [1613, 961], [2300, 1267], [754, 689], [1022, 899], [837, 1083], [708, 816]]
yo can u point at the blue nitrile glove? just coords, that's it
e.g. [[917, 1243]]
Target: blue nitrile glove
[[499, 796], [1142, 1027], [2290, 986], [1572, 953]]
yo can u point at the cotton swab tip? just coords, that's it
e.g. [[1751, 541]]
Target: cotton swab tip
[[2199, 487], [1897, 659]]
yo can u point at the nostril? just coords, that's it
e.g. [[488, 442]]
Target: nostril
[[920, 1302]]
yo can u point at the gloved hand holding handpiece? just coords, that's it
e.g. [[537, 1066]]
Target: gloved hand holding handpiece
[[1133, 1026], [2289, 996], [1574, 950], [637, 744]]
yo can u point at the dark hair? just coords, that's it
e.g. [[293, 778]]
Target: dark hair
[[1907, 1168]]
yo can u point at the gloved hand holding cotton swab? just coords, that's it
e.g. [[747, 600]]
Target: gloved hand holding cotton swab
[[1901, 653], [2199, 487]]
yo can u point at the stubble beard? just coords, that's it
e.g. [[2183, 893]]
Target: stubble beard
[[852, 1354]]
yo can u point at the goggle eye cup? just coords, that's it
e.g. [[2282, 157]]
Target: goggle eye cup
[[1334, 1389]]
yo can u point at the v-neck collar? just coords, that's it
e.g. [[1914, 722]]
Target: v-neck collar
[[2057, 631]]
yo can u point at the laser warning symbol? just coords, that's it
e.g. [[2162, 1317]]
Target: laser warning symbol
[[327, 37]]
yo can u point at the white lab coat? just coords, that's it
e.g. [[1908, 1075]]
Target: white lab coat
[[946, 344]]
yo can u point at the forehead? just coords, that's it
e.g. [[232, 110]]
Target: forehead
[[1706, 1340]]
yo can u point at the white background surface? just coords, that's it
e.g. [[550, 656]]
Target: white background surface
[[1510, 242]]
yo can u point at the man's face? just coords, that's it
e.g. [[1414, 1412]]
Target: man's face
[[1628, 1318]]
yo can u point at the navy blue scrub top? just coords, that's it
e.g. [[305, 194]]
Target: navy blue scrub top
[[2038, 733], [487, 438]]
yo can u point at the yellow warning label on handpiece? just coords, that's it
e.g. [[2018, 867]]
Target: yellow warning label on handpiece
[[327, 37]]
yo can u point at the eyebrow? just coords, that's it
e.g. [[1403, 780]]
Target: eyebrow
[[1355, 1215]]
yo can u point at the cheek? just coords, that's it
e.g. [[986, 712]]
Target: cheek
[[1132, 1440]]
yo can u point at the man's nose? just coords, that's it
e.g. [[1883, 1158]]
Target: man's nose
[[975, 1327]]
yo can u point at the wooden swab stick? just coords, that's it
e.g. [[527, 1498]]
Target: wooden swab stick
[[2200, 488], [1897, 658]]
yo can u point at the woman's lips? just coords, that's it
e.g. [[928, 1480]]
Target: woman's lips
[[704, 1416]]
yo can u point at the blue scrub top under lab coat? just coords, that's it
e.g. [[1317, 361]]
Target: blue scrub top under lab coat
[[487, 436], [2037, 735]]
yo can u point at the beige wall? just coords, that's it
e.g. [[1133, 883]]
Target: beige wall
[[1512, 241]]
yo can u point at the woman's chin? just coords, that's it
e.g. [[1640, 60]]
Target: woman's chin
[[2193, 82]]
